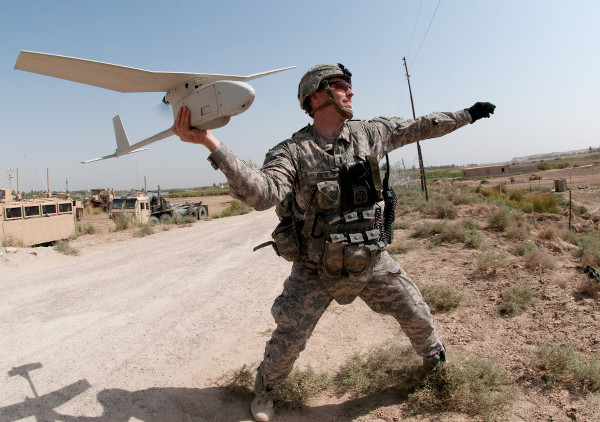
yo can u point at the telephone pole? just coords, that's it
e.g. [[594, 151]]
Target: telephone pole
[[421, 168]]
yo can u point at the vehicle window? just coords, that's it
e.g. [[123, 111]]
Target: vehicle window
[[2, 194], [130, 204], [49, 209], [65, 207], [118, 203], [14, 212], [32, 211]]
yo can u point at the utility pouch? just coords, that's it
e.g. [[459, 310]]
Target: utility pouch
[[285, 237]]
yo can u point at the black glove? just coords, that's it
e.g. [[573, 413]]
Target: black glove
[[479, 110]]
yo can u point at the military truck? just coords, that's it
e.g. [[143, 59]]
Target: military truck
[[37, 221], [137, 204], [161, 208], [155, 209], [101, 198]]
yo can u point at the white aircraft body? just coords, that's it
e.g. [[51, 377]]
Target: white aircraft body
[[212, 99]]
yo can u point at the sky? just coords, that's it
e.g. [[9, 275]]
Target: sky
[[537, 61]]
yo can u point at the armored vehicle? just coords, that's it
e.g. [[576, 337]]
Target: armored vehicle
[[138, 205], [36, 221]]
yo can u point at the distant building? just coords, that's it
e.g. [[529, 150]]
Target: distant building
[[497, 170]]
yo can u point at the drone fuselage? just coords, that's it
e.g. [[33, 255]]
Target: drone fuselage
[[212, 105]]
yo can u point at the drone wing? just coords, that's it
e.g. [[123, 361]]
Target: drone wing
[[116, 77]]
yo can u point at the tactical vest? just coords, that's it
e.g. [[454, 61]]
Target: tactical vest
[[338, 229]]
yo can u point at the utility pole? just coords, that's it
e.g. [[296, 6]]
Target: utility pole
[[421, 168]]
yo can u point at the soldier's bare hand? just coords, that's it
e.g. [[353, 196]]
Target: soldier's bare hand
[[186, 133]]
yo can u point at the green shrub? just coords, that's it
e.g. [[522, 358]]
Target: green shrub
[[443, 232], [516, 195], [80, 229], [499, 219], [441, 298], [538, 260], [123, 221], [471, 385], [65, 248], [299, 387], [399, 248], [561, 363], [12, 241], [543, 202], [516, 300], [491, 260], [442, 209], [144, 230], [524, 248], [389, 366], [236, 207]]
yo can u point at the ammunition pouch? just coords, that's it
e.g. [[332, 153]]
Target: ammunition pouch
[[346, 247]]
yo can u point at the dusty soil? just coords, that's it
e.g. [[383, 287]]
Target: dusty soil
[[143, 328]]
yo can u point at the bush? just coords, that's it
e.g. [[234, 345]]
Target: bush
[[561, 363], [516, 195], [442, 231], [543, 202], [516, 300], [397, 248], [123, 221], [441, 298], [590, 245], [499, 219], [236, 207], [64, 247], [80, 229], [539, 260], [491, 260], [471, 385], [549, 231], [12, 241], [144, 230], [299, 387], [390, 366], [524, 248]]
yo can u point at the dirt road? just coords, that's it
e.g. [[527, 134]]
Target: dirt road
[[143, 327]]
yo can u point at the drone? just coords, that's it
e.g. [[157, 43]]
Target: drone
[[211, 98]]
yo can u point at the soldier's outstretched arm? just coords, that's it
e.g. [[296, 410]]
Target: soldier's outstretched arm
[[397, 132]]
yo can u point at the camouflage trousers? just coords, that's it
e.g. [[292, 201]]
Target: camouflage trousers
[[299, 307]]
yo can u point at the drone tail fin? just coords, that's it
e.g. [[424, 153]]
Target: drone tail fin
[[122, 141]]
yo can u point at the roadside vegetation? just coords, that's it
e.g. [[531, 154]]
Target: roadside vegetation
[[236, 207]]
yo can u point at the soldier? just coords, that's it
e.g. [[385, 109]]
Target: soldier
[[325, 184]]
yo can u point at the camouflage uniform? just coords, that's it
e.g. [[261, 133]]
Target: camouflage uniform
[[303, 165]]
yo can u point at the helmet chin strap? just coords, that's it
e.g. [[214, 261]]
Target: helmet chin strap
[[346, 113]]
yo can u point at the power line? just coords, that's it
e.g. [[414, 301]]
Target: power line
[[415, 27], [426, 32]]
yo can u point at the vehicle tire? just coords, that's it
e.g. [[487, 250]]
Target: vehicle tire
[[202, 213], [193, 213], [153, 220], [164, 217]]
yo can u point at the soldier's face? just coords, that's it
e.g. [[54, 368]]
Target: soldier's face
[[341, 91]]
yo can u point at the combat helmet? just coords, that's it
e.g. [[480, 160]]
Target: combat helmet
[[312, 79]]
